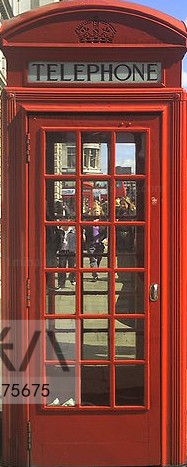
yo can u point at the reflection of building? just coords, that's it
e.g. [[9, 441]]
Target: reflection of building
[[92, 158], [64, 191], [123, 170], [65, 157], [65, 161]]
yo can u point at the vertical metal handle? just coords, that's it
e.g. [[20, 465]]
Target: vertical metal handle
[[153, 292]]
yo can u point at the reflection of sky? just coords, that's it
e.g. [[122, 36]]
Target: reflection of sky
[[104, 158], [125, 156]]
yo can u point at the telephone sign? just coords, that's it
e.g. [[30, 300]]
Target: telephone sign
[[99, 72]]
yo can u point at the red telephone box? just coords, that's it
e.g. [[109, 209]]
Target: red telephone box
[[94, 235]]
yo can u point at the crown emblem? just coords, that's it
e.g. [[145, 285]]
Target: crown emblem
[[95, 32]]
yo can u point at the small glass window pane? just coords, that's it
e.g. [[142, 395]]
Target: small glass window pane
[[130, 200], [95, 152], [129, 385], [95, 293], [129, 339], [95, 251], [59, 300], [130, 153], [61, 250], [61, 380], [95, 385], [129, 246], [95, 200], [60, 339], [60, 200], [95, 339], [129, 292], [61, 150]]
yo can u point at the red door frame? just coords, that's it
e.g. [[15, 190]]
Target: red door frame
[[173, 267], [139, 123]]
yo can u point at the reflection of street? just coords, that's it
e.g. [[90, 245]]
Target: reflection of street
[[96, 333]]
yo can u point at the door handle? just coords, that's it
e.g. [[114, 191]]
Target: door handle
[[153, 292]]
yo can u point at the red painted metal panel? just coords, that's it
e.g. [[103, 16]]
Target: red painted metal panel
[[169, 23]]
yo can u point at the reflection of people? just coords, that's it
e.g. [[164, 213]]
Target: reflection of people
[[95, 236], [62, 210], [124, 207], [124, 237], [67, 253], [52, 246], [52, 241]]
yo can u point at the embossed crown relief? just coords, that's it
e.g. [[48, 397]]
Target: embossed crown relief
[[95, 32]]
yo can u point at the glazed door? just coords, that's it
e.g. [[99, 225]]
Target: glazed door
[[95, 287]]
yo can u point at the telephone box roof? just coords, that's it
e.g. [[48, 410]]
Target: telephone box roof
[[13, 27]]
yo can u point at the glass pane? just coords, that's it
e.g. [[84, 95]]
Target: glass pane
[[129, 339], [95, 339], [59, 300], [95, 297], [52, 246], [61, 150], [95, 152], [60, 339], [129, 292], [61, 251], [129, 246], [60, 200], [130, 200], [130, 153], [129, 385], [61, 384], [95, 200], [95, 252], [95, 385]]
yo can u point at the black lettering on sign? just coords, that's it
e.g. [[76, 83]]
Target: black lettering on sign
[[62, 73], [38, 70], [122, 72], [107, 70], [51, 68], [136, 71], [78, 68], [92, 68], [152, 70]]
